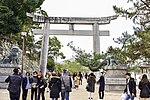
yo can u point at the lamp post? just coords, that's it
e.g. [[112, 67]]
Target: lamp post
[[23, 45]]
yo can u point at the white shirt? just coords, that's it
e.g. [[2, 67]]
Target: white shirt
[[128, 91]]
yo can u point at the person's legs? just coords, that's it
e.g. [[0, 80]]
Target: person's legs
[[102, 94], [53, 98], [62, 95], [32, 93], [81, 82], [67, 95], [35, 93], [39, 92], [90, 96], [17, 96], [131, 97], [11, 96], [128, 97], [26, 92], [43, 92]]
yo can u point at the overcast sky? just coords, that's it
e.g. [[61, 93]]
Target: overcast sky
[[88, 8]]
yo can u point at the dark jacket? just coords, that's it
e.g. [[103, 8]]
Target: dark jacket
[[41, 83], [34, 81], [144, 93], [14, 83], [132, 86], [55, 87], [91, 83], [101, 83], [24, 82]]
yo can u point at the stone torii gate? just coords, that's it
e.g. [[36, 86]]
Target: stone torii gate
[[71, 21]]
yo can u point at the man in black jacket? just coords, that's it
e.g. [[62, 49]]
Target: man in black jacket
[[130, 89], [101, 83], [14, 85]]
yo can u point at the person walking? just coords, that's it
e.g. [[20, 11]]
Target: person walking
[[101, 83], [55, 86], [14, 86], [130, 89], [66, 85], [81, 77], [91, 85], [34, 81], [144, 86], [41, 86], [77, 81], [86, 76]]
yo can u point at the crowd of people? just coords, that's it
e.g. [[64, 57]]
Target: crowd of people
[[55, 83], [62, 83]]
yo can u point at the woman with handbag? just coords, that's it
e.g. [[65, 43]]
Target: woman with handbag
[[91, 85], [144, 86]]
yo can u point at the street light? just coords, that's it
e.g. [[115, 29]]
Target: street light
[[23, 45]]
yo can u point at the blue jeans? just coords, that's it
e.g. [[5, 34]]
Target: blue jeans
[[129, 97], [64, 95]]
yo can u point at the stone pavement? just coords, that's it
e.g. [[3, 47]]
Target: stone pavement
[[79, 94]]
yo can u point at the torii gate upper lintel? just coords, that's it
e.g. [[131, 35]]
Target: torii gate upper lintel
[[95, 21], [73, 20]]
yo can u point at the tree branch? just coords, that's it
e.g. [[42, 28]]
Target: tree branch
[[145, 3]]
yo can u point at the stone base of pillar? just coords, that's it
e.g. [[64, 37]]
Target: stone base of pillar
[[5, 71], [115, 84], [115, 78]]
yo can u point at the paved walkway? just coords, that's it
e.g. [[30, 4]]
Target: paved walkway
[[80, 94]]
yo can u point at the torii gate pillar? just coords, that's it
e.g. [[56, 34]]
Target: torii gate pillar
[[96, 38], [44, 51]]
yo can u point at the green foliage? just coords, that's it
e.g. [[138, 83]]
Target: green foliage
[[139, 11], [8, 22], [71, 66], [86, 59], [137, 46], [50, 64], [13, 17], [53, 51], [135, 69]]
